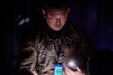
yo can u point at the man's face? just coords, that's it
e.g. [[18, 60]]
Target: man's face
[[56, 18]]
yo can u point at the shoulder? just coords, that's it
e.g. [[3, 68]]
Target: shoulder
[[84, 38], [78, 29], [32, 34]]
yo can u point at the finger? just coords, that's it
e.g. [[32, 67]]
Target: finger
[[68, 71], [33, 72], [78, 69]]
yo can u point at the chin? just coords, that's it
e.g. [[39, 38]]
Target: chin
[[56, 29]]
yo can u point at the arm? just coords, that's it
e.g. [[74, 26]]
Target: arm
[[86, 42], [27, 59]]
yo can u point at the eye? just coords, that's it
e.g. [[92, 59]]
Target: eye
[[50, 18], [64, 17]]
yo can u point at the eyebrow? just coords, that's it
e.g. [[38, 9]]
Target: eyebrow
[[64, 14]]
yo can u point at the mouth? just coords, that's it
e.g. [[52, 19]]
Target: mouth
[[57, 25]]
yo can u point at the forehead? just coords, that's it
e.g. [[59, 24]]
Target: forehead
[[57, 12]]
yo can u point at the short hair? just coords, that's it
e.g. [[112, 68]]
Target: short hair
[[55, 4]]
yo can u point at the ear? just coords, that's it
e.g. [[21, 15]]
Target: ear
[[43, 11], [68, 10]]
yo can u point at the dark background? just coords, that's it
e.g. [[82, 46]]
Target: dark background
[[96, 16]]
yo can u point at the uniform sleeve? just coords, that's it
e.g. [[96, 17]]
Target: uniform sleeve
[[27, 57], [87, 43], [83, 41]]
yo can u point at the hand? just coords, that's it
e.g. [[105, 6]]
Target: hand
[[33, 72], [70, 72]]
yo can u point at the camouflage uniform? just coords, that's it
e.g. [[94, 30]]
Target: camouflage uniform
[[41, 51]]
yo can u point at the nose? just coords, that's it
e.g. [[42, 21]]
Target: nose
[[58, 21]]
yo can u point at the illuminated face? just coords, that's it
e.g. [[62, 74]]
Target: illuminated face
[[56, 18]]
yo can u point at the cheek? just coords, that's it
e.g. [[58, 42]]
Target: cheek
[[50, 22], [63, 21]]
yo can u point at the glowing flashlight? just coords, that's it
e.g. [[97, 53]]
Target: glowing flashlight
[[71, 64]]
